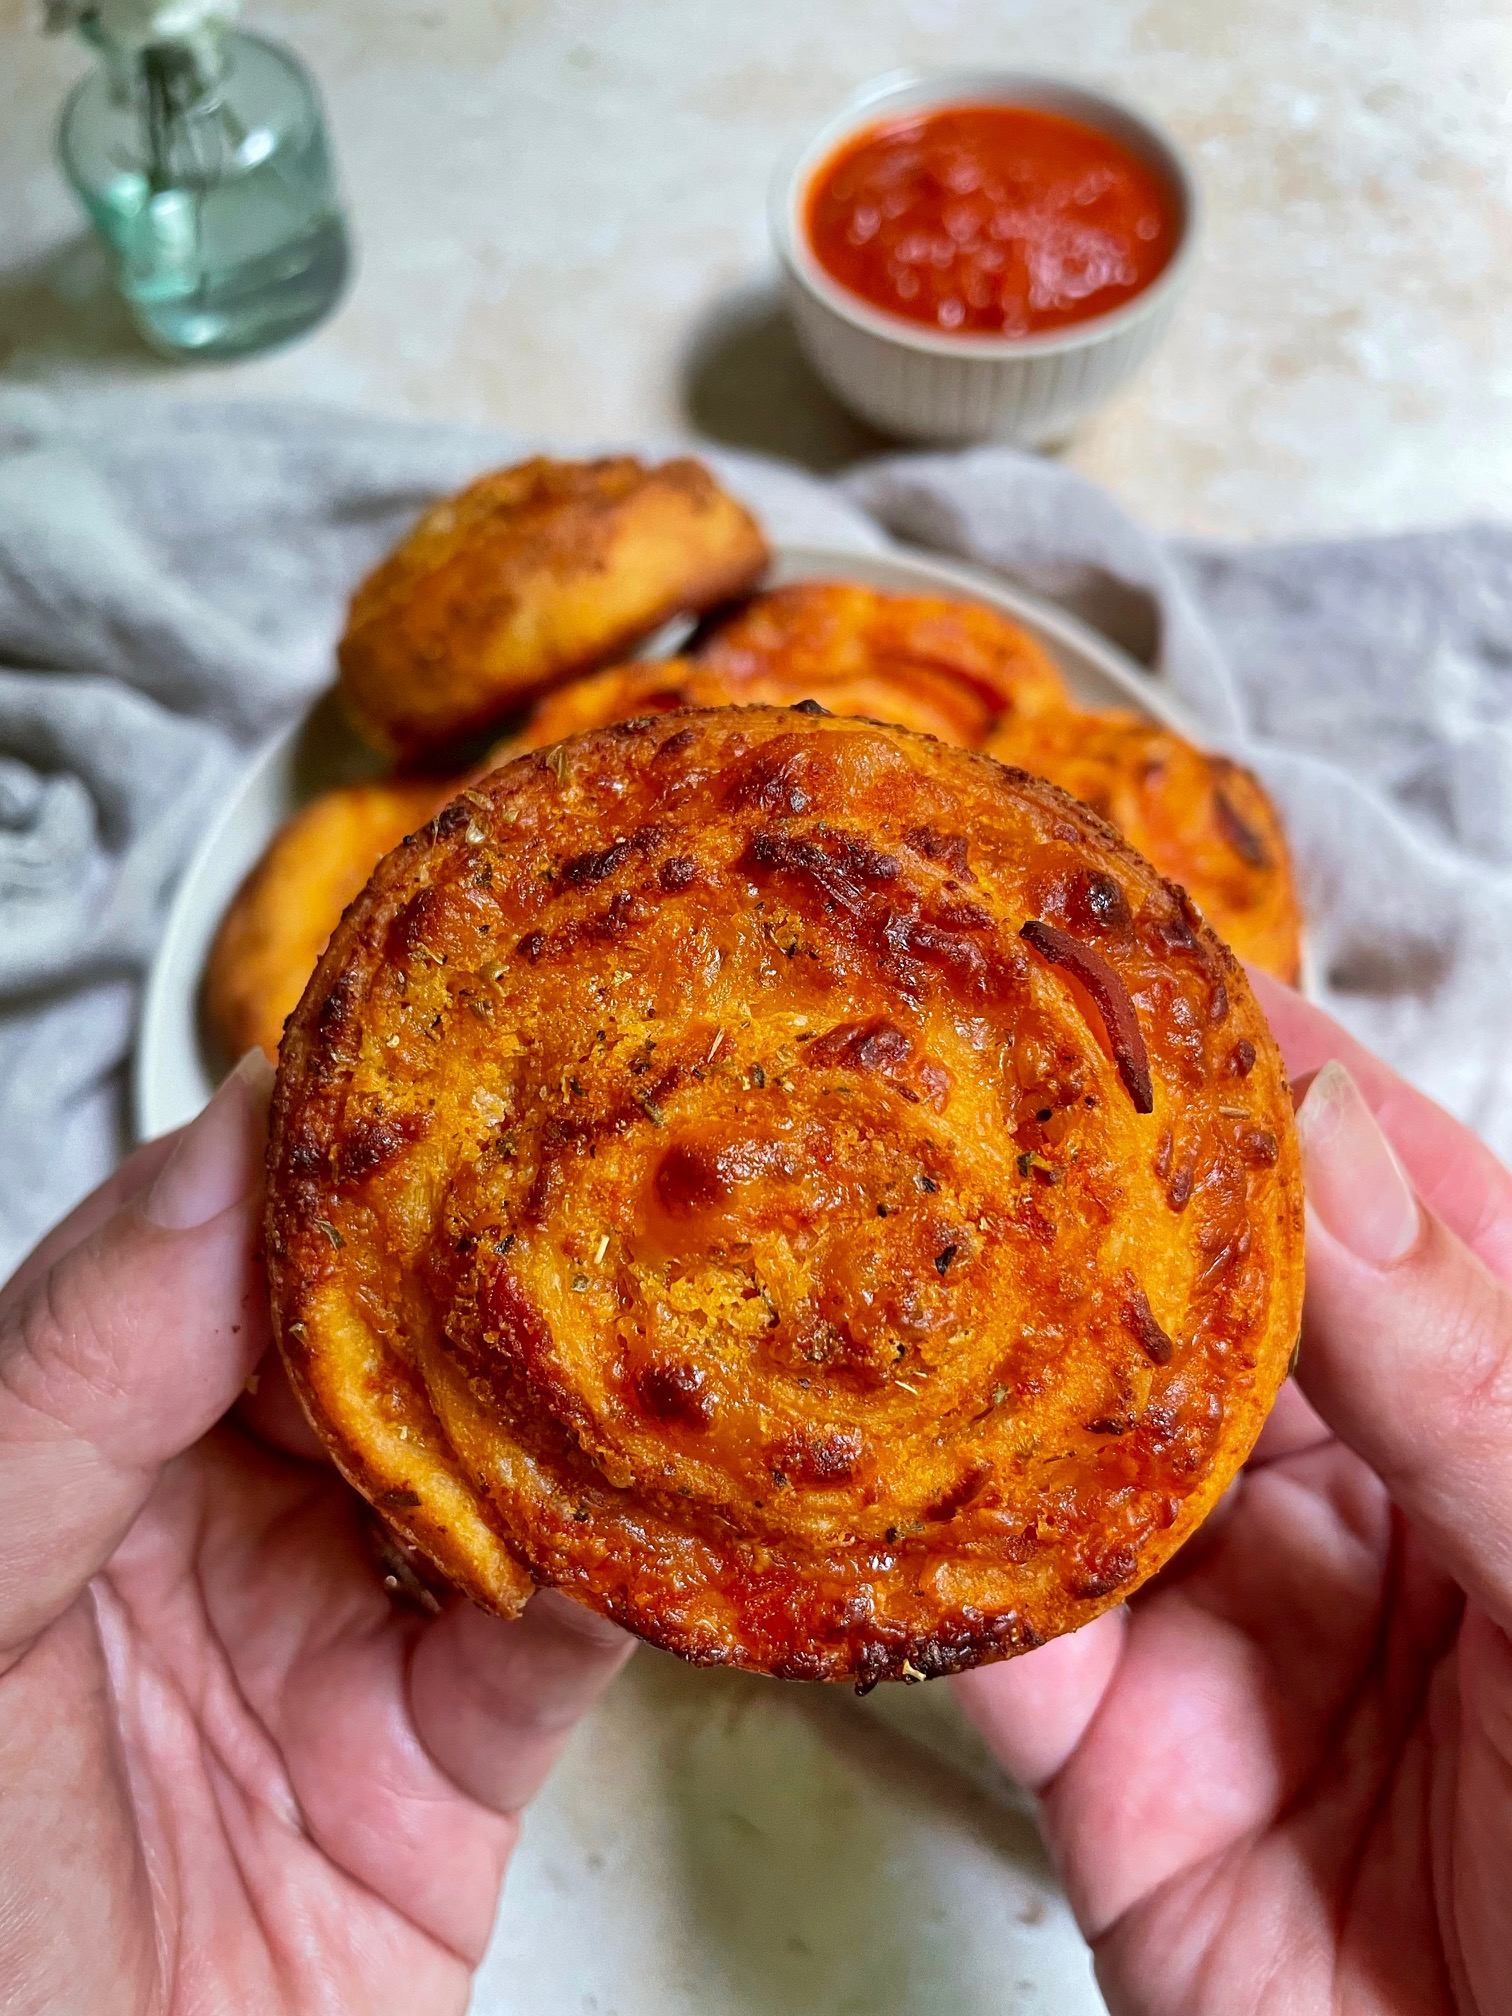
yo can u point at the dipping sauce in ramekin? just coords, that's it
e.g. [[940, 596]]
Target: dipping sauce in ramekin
[[982, 254], [998, 220]]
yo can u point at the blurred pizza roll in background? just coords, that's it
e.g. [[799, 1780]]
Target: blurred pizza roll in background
[[530, 575], [935, 706], [947, 667], [284, 913], [1201, 819]]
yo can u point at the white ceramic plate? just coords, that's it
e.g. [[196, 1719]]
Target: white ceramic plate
[[175, 1070]]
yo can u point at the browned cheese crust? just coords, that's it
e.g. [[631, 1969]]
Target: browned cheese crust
[[529, 575], [1202, 820], [284, 913], [934, 663], [812, 1194]]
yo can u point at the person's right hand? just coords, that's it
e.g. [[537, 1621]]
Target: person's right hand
[[1281, 1779], [233, 1774]]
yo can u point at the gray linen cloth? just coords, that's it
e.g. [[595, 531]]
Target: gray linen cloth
[[173, 578]]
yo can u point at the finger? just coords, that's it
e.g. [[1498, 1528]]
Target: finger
[[1407, 1342], [1456, 1175], [411, 1748], [1292, 1426], [123, 1353], [134, 1175], [1033, 1711], [269, 1411], [1476, 1727], [494, 1702]]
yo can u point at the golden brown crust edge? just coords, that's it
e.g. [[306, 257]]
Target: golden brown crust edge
[[459, 1545]]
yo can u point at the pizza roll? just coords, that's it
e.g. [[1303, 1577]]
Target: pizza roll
[[282, 917], [1203, 820], [946, 666], [527, 576], [811, 1194]]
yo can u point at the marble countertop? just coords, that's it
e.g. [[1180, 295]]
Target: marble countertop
[[560, 215]]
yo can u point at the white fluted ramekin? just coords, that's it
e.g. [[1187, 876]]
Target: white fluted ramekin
[[926, 385]]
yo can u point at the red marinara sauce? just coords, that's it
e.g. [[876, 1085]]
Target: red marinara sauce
[[992, 220]]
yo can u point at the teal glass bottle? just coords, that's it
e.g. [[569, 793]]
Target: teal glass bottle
[[202, 160]]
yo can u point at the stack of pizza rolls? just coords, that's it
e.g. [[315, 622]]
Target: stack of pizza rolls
[[512, 610]]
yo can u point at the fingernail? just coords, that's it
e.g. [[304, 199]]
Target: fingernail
[[1355, 1184], [218, 1160]]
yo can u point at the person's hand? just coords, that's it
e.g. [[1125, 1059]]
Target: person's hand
[[233, 1775], [1280, 1780]]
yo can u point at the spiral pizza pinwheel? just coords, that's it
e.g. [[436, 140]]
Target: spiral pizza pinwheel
[[281, 918], [811, 1194], [529, 575], [1204, 820], [940, 664]]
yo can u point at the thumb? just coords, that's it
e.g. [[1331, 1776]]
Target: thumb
[[1407, 1342], [124, 1352], [494, 1701]]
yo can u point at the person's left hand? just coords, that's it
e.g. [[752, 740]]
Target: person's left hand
[[233, 1775]]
